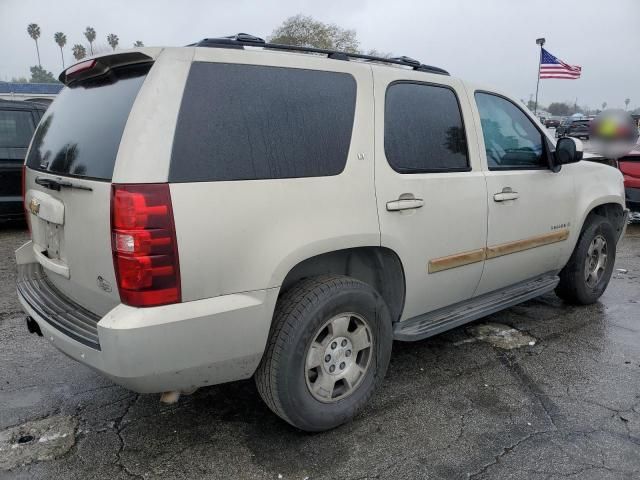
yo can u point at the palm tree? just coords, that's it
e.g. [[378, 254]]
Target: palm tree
[[604, 105], [90, 33], [112, 39], [61, 40], [627, 101], [138, 43], [34, 32], [79, 52]]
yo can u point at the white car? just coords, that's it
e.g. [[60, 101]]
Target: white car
[[224, 210]]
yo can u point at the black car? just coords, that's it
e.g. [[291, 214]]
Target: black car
[[572, 127], [18, 120]]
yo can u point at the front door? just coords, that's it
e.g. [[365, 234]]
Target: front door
[[530, 207], [430, 187]]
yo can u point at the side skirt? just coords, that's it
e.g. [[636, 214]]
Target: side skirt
[[443, 319]]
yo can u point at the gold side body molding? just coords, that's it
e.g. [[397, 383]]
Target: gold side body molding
[[494, 251]]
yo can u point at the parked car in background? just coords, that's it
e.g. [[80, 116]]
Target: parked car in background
[[552, 123], [572, 127], [205, 214], [18, 120], [629, 165]]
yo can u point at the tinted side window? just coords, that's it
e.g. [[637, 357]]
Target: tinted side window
[[246, 122], [511, 140], [423, 129], [16, 128]]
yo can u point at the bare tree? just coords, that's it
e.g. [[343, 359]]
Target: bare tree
[[604, 105], [627, 101], [61, 40], [305, 31], [138, 43], [34, 32]]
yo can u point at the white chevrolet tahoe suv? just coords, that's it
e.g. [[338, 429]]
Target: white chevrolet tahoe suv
[[233, 209]]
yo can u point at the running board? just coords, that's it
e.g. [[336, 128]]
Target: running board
[[443, 319]]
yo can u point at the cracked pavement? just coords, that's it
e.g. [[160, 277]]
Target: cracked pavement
[[451, 407]]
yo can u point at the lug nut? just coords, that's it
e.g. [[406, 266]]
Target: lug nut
[[342, 365], [332, 368], [344, 343], [327, 358], [347, 353], [334, 345]]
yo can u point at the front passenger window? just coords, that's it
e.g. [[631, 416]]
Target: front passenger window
[[511, 139]]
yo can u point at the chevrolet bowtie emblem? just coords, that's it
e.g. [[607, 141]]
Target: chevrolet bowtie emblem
[[34, 206]]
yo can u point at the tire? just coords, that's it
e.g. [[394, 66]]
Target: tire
[[310, 309], [575, 287]]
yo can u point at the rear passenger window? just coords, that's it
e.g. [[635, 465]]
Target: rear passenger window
[[423, 129], [246, 122], [16, 128]]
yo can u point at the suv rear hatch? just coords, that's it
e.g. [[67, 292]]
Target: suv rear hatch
[[68, 177]]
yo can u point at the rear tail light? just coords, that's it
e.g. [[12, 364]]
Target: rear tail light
[[145, 251]]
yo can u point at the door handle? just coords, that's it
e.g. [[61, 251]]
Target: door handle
[[404, 204], [506, 194]]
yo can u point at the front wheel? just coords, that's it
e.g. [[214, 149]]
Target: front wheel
[[329, 350], [586, 276]]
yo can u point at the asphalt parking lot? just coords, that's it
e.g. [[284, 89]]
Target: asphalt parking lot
[[565, 403]]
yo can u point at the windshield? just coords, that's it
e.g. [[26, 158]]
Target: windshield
[[80, 133]]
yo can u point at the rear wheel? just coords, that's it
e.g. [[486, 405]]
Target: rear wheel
[[586, 276], [329, 349]]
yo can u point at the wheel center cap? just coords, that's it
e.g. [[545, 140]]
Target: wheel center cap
[[338, 356]]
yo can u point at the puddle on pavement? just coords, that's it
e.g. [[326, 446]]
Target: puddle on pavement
[[36, 441], [501, 336]]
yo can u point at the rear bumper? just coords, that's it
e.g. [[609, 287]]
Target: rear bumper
[[172, 347]]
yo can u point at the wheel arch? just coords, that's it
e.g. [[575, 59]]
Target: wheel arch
[[377, 266]]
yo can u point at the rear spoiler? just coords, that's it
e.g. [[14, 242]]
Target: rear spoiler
[[96, 67]]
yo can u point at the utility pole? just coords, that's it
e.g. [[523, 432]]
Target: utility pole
[[539, 41]]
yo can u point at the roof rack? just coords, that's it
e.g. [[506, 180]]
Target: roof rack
[[242, 40]]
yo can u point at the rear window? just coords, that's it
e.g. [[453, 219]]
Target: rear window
[[80, 133], [247, 122], [16, 128]]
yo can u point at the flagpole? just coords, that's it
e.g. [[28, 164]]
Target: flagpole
[[539, 41]]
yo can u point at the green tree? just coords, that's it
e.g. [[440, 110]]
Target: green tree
[[112, 39], [19, 80], [604, 105], [40, 75], [79, 52], [138, 43], [61, 40], [627, 101], [90, 34], [559, 109], [304, 31], [34, 32]]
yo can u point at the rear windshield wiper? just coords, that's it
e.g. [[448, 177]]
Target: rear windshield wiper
[[53, 184]]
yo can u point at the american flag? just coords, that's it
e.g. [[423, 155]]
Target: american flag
[[552, 67]]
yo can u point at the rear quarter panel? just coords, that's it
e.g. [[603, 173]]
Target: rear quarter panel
[[238, 236]]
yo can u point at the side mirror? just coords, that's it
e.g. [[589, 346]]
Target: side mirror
[[568, 150]]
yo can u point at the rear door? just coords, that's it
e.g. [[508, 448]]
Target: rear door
[[430, 188], [68, 184]]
